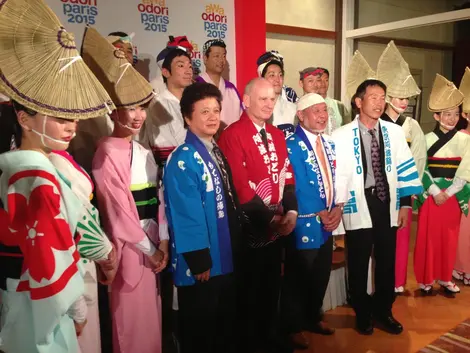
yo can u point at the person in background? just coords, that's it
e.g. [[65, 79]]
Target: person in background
[[204, 218], [462, 262], [376, 174], [125, 174], [446, 192], [271, 67], [164, 130], [309, 252], [262, 175], [215, 61], [393, 70], [317, 80], [41, 279]]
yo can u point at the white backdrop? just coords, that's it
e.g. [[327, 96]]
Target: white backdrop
[[153, 21]]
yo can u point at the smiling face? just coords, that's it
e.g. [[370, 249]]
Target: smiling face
[[314, 118], [399, 104], [127, 49], [373, 104], [130, 119], [261, 100], [181, 74], [275, 77], [448, 119], [205, 118], [216, 60], [311, 84]]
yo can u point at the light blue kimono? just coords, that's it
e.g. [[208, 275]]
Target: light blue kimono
[[309, 232], [196, 210]]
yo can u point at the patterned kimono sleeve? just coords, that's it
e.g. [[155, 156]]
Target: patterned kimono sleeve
[[35, 219]]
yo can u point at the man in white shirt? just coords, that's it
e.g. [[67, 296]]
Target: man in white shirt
[[164, 128]]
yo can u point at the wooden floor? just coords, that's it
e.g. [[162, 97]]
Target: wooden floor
[[424, 319]]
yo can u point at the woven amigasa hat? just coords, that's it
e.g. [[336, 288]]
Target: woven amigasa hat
[[40, 66], [465, 89], [444, 95], [127, 88], [394, 71], [358, 72]]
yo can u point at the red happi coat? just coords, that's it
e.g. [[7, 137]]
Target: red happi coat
[[255, 169]]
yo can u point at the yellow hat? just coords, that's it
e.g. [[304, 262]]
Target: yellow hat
[[127, 88], [393, 70], [444, 95], [358, 72], [465, 89], [40, 66]]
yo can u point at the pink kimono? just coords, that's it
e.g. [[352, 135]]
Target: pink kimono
[[135, 300]]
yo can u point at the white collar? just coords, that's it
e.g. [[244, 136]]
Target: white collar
[[166, 94], [258, 128], [312, 137]]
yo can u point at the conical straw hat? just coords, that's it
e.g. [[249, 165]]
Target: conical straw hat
[[444, 95], [124, 84], [358, 72], [465, 89], [40, 66], [394, 71]]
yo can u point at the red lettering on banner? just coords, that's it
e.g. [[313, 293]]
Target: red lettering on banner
[[212, 17], [155, 9]]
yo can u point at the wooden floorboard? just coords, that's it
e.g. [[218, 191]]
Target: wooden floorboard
[[424, 319]]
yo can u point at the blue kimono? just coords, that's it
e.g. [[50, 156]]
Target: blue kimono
[[309, 232], [196, 210]]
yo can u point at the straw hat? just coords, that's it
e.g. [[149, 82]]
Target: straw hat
[[127, 88], [394, 71], [444, 95], [40, 66], [465, 89], [359, 71]]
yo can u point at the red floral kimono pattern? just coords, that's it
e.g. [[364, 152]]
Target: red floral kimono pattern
[[36, 225]]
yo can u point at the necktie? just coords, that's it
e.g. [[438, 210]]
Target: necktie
[[377, 167], [223, 171], [264, 137], [320, 153]]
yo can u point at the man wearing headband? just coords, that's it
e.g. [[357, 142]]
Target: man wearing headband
[[262, 175], [271, 67], [316, 80], [447, 191], [393, 70], [376, 173], [309, 252], [215, 62], [164, 129]]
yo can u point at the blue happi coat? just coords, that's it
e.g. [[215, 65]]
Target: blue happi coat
[[309, 186], [196, 210]]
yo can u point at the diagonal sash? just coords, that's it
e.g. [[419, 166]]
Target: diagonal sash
[[443, 139], [223, 231]]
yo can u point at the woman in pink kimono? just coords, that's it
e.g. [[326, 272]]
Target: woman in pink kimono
[[125, 175]]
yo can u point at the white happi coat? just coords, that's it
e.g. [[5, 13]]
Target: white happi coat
[[400, 170]]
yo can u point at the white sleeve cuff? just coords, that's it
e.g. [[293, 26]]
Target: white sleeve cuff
[[146, 246], [163, 233], [457, 185], [79, 310], [434, 190]]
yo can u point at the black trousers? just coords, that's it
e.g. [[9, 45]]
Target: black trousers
[[382, 239], [306, 277], [207, 316], [259, 283]]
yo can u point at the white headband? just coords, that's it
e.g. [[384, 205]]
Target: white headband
[[308, 100]]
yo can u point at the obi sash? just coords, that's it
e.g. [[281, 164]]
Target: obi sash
[[146, 201], [443, 167]]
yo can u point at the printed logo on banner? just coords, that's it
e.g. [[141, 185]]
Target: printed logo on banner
[[196, 55], [154, 15], [80, 11], [215, 21]]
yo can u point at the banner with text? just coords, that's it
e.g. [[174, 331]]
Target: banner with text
[[152, 21]]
